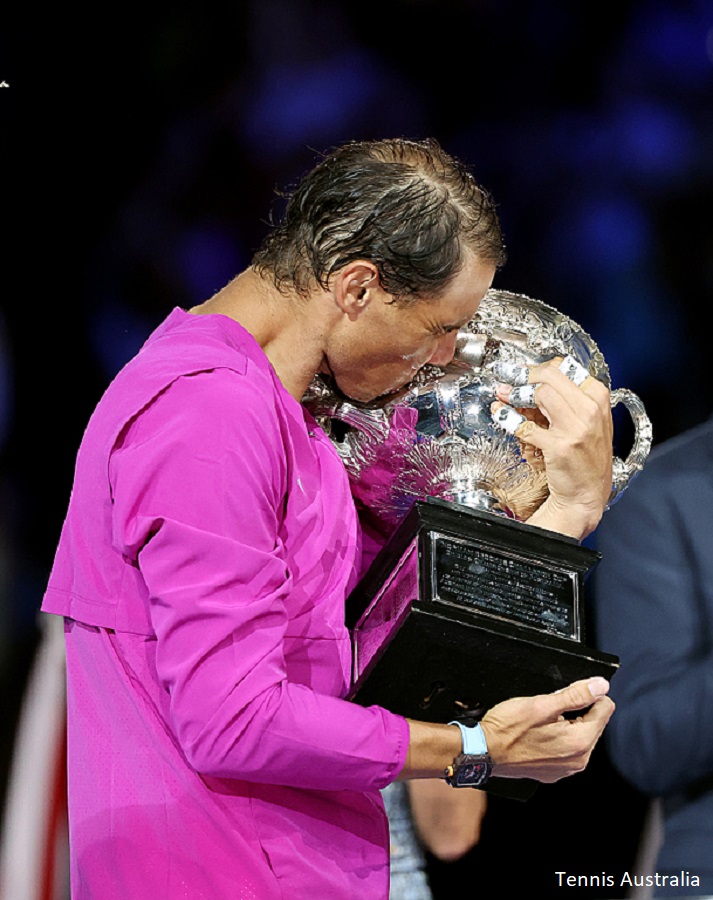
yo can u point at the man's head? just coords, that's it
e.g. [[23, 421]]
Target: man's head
[[407, 206]]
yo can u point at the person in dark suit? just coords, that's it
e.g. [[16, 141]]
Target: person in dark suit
[[654, 609]]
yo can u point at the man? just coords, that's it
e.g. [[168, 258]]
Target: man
[[655, 611], [211, 540]]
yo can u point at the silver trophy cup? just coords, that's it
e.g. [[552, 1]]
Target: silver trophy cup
[[436, 437]]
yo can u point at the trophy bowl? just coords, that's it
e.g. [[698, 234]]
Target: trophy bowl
[[435, 437]]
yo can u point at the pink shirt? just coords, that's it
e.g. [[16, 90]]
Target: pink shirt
[[209, 545]]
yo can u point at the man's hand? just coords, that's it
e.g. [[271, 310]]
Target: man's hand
[[529, 737], [573, 431]]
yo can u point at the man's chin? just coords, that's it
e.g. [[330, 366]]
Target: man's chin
[[366, 398], [357, 396]]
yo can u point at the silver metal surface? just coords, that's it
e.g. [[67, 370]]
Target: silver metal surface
[[436, 437]]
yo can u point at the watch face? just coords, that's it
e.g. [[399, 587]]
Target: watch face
[[470, 770], [472, 773]]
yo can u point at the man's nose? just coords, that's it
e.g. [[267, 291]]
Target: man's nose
[[445, 350]]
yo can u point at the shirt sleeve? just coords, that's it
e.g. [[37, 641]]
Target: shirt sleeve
[[198, 488], [653, 611]]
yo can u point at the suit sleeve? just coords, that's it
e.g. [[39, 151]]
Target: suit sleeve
[[653, 609]]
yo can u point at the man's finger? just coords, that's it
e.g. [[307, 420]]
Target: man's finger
[[574, 370], [511, 373], [523, 397], [582, 693], [508, 418], [514, 422]]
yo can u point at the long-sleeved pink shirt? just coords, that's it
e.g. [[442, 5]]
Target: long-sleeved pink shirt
[[208, 548]]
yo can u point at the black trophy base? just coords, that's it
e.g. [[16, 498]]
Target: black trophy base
[[428, 654]]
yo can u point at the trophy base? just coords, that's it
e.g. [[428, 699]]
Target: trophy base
[[429, 646]]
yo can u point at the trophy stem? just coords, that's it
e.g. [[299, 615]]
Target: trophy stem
[[477, 499]]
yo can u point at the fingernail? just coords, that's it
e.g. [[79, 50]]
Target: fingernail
[[503, 391], [598, 686]]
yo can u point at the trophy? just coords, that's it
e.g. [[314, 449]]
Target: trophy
[[466, 605]]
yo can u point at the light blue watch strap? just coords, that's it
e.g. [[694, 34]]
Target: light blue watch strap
[[474, 743]]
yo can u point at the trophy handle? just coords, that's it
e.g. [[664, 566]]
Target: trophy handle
[[624, 471], [373, 423]]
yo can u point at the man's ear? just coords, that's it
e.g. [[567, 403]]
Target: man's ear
[[354, 286]]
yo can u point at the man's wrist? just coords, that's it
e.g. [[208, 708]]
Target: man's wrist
[[576, 521], [473, 766], [473, 737]]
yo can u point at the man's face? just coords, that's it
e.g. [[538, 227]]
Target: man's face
[[383, 348]]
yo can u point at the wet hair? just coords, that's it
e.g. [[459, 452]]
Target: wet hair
[[407, 206]]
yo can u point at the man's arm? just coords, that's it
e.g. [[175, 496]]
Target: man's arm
[[654, 610], [527, 737], [447, 822]]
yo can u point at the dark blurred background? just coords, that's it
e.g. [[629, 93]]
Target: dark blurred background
[[141, 151]]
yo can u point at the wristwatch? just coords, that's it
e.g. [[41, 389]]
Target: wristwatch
[[473, 766]]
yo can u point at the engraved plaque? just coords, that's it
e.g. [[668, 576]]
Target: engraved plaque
[[505, 585], [463, 609]]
